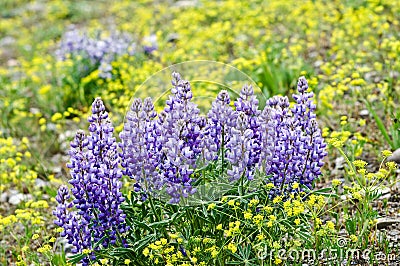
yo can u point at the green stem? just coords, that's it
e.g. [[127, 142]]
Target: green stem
[[223, 150], [156, 217], [347, 160]]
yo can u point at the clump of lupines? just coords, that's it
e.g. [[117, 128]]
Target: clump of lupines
[[293, 146], [283, 144], [99, 50], [94, 215]]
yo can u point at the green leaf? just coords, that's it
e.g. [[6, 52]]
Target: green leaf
[[140, 244], [325, 192], [142, 225], [380, 124], [76, 258]]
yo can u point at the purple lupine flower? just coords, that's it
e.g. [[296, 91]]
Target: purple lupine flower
[[248, 104], [294, 143], [303, 110], [179, 140], [240, 147], [312, 145], [95, 175], [139, 154], [105, 174], [267, 144], [221, 118], [100, 50], [281, 133]]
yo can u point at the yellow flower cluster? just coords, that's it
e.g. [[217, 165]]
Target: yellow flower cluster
[[14, 162], [234, 228], [294, 207], [164, 252]]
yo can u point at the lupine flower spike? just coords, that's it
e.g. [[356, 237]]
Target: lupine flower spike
[[94, 215]]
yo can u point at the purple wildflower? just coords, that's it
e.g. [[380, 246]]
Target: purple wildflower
[[221, 118], [179, 140], [95, 186], [247, 103], [293, 147], [100, 51], [240, 146], [139, 154]]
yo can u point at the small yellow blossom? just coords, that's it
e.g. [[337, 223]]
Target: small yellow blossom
[[268, 209], [231, 202], [247, 215], [353, 238], [391, 166], [173, 235], [296, 243], [277, 199], [42, 121], [86, 251], [386, 153], [253, 202], [232, 247], [146, 252], [269, 186], [360, 163], [276, 245], [330, 225], [211, 206], [104, 261], [56, 116], [260, 236], [357, 195], [336, 182]]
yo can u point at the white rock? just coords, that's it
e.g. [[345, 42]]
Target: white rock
[[17, 198], [40, 183], [3, 197], [186, 3], [364, 112], [339, 163]]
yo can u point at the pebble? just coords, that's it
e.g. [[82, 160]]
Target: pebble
[[14, 197], [17, 198], [364, 112], [339, 163], [41, 183], [186, 3]]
